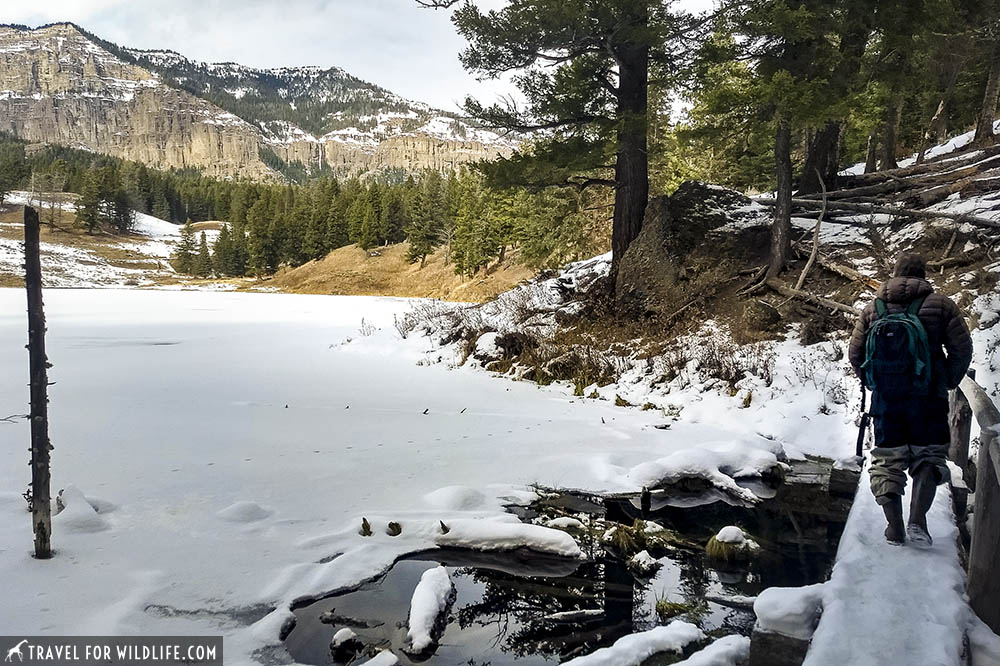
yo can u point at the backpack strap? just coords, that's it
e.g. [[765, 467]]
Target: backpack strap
[[914, 307], [880, 307]]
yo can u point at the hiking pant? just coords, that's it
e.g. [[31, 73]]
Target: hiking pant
[[908, 435]]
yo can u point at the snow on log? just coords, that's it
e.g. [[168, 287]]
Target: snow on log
[[789, 611], [635, 649], [432, 597], [726, 650], [78, 515], [719, 466], [495, 535]]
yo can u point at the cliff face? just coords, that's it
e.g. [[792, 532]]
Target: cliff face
[[57, 86]]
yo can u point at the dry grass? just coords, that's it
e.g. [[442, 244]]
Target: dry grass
[[352, 271]]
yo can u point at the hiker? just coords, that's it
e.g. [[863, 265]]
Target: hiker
[[898, 350]]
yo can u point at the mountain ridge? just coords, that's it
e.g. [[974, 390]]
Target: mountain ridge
[[317, 119]]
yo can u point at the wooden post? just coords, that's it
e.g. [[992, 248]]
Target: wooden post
[[984, 572], [960, 425], [41, 498]]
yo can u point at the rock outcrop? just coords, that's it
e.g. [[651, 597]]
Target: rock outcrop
[[58, 86], [653, 276]]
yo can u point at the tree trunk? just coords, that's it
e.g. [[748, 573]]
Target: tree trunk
[[632, 163], [929, 133], [781, 227], [871, 157], [41, 498], [893, 113], [984, 129], [822, 157]]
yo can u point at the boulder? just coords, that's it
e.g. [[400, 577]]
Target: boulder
[[652, 270]]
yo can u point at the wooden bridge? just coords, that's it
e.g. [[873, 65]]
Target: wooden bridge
[[899, 605]]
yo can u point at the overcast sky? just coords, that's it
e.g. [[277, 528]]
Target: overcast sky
[[393, 43]]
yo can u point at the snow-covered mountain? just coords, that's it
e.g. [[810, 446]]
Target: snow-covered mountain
[[61, 84]]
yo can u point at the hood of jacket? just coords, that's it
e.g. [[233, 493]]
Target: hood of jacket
[[903, 289]]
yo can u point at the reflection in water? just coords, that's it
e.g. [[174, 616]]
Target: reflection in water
[[540, 616]]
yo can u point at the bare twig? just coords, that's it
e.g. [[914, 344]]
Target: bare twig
[[819, 223]]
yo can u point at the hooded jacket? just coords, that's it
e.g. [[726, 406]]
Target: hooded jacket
[[946, 329]]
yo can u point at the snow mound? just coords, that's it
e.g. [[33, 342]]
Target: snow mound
[[789, 611], [244, 512], [634, 649], [455, 498], [342, 636], [565, 522], [433, 595], [78, 515], [383, 658], [643, 563], [727, 651], [731, 534]]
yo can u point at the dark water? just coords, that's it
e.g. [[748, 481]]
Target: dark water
[[502, 613]]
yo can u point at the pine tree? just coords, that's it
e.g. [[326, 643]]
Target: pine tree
[[222, 253], [424, 231], [184, 256], [122, 214], [203, 261], [88, 208]]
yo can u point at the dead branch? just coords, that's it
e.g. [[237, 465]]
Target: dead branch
[[819, 223], [788, 292], [842, 270]]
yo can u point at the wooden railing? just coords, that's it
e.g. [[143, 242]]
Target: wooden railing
[[984, 554]]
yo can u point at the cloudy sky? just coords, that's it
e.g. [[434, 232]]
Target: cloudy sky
[[394, 43]]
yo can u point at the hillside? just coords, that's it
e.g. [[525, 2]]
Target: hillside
[[61, 85], [386, 272]]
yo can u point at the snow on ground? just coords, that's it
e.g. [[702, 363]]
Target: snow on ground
[[153, 241], [232, 444], [949, 146]]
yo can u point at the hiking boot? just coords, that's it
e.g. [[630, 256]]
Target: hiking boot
[[924, 491], [893, 508]]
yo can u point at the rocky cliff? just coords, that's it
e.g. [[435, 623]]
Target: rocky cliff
[[59, 85]]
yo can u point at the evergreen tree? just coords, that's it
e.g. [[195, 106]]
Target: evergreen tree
[[222, 253], [184, 255], [122, 214], [423, 232], [88, 208], [203, 261]]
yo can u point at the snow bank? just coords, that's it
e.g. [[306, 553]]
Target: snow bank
[[434, 594], [634, 649], [496, 535], [790, 611]]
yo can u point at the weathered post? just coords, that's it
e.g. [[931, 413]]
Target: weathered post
[[41, 499], [960, 425], [984, 575]]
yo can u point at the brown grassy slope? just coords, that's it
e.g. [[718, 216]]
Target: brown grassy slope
[[351, 271]]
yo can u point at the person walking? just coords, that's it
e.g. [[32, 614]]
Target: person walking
[[910, 347]]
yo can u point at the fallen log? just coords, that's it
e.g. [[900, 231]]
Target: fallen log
[[889, 210], [938, 164], [842, 270], [788, 292]]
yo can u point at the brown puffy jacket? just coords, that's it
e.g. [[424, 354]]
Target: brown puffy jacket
[[941, 318]]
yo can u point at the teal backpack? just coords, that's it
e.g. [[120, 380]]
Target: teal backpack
[[897, 353]]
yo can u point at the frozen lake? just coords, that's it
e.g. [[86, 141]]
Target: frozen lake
[[232, 442]]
